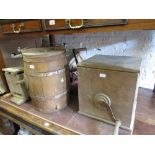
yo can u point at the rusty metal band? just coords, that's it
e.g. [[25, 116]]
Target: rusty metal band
[[50, 97], [48, 73]]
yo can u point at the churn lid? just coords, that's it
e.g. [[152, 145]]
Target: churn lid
[[42, 52], [119, 63]]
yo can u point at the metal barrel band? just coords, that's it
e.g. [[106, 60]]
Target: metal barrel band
[[48, 73], [50, 97], [60, 95]]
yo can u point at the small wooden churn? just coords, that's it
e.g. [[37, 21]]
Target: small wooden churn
[[46, 76], [107, 88], [14, 77]]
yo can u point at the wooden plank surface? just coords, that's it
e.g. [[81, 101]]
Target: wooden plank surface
[[22, 113], [66, 121]]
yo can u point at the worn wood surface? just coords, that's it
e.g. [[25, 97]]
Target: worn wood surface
[[66, 121], [62, 122], [115, 63], [133, 24], [6, 126], [29, 26], [2, 64], [62, 24], [145, 113], [3, 82], [26, 113]]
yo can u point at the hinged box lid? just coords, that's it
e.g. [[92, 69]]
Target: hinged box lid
[[117, 63]]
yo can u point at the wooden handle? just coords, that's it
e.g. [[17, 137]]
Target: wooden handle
[[117, 125]]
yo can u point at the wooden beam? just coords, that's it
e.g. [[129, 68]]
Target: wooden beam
[[133, 24]]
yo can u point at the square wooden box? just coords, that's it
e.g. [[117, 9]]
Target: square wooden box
[[117, 78]]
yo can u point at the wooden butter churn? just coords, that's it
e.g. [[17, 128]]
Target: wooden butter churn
[[47, 78], [107, 88]]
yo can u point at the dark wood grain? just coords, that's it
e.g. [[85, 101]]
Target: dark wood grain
[[133, 24], [29, 26], [2, 65]]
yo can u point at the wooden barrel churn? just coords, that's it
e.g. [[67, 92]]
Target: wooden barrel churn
[[46, 75]]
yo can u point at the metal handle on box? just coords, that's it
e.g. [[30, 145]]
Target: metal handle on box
[[74, 27], [19, 29], [102, 98], [117, 126]]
